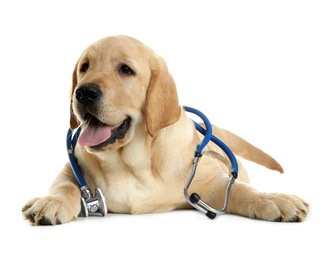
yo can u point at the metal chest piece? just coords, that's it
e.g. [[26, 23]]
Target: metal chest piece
[[92, 205]]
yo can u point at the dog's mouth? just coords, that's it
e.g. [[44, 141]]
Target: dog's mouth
[[97, 134]]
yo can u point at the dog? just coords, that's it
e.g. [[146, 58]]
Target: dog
[[137, 145]]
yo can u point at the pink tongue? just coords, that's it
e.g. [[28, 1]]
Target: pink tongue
[[95, 134]]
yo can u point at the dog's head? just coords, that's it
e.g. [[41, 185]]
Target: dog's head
[[118, 85]]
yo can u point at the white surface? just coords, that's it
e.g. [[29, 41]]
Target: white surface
[[260, 69]]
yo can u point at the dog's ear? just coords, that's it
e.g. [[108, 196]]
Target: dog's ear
[[74, 122], [162, 107]]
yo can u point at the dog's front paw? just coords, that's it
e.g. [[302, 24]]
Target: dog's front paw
[[49, 210], [278, 207]]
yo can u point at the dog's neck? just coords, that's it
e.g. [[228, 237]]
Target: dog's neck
[[143, 155]]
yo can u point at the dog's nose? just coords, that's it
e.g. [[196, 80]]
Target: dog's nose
[[88, 93]]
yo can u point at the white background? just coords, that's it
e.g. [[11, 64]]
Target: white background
[[262, 69]]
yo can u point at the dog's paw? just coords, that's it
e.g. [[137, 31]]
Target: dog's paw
[[48, 211], [278, 207]]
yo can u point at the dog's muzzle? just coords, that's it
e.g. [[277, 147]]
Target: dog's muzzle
[[96, 133], [88, 94]]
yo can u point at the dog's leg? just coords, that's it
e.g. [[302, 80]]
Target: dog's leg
[[246, 201], [60, 206]]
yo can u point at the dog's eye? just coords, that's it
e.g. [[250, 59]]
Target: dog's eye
[[126, 70], [84, 67]]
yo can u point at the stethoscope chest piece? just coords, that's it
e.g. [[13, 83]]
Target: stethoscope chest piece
[[93, 205]]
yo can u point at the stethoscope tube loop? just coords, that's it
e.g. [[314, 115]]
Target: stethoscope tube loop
[[224, 147]]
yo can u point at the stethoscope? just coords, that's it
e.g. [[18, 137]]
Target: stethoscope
[[92, 205]]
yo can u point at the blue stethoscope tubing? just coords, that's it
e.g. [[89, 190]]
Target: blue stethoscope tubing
[[208, 136], [71, 141]]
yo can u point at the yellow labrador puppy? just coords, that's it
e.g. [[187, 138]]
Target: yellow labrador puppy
[[137, 145]]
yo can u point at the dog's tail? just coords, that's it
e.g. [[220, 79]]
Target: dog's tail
[[246, 150]]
